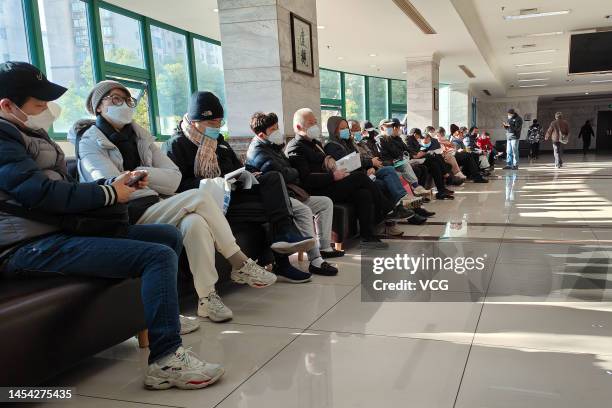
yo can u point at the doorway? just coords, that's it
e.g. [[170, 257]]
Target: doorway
[[604, 131]]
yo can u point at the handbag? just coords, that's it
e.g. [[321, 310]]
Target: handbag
[[220, 190], [111, 221]]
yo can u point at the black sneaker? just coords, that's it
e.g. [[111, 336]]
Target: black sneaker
[[514, 167], [372, 243], [454, 181], [444, 196], [507, 168], [400, 212], [291, 274], [480, 180], [423, 212], [417, 220], [332, 254], [325, 269]]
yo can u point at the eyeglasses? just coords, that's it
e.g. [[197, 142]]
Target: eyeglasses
[[119, 100]]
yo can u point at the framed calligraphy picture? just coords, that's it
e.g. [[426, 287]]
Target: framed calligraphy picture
[[301, 43]]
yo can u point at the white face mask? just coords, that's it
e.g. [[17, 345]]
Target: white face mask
[[44, 119], [121, 114], [276, 137], [313, 132]]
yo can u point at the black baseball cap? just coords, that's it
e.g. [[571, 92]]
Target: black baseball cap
[[23, 79]]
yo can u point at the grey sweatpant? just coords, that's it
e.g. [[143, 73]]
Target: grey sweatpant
[[322, 208]]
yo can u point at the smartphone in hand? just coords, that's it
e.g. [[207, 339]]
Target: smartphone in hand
[[133, 181]]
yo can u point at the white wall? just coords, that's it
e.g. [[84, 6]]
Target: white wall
[[492, 112], [576, 113]]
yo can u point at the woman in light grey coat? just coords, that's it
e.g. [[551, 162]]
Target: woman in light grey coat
[[114, 143]]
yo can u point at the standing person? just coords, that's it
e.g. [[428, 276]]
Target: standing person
[[559, 129], [586, 131], [33, 175], [534, 135], [115, 143], [513, 128]]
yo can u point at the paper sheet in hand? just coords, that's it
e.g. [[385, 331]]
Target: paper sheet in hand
[[349, 162], [246, 177]]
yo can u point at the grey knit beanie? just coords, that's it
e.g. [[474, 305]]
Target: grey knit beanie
[[98, 92]]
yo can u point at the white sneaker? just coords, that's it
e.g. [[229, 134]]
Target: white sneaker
[[253, 275], [182, 369], [213, 308], [420, 190], [460, 175], [188, 324]]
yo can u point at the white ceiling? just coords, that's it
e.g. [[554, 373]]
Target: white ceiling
[[469, 32]]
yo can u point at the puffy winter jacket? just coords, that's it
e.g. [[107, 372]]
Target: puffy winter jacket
[[33, 174], [100, 158], [307, 157], [264, 156], [514, 128]]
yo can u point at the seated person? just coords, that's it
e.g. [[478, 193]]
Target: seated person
[[393, 156], [34, 176], [375, 165], [458, 139], [200, 152], [341, 144], [265, 154], [319, 177], [471, 137], [115, 143], [413, 154], [448, 151], [484, 143]]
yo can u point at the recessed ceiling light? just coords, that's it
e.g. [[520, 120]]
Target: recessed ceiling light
[[340, 58], [598, 81], [586, 93], [534, 72], [532, 64], [321, 27], [533, 52], [551, 33], [532, 86], [216, 10], [373, 66], [372, 55], [404, 72], [535, 15], [534, 79]]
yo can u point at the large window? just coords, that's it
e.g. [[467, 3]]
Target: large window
[[398, 93], [13, 40], [378, 97], [121, 39], [330, 84], [326, 113], [355, 96], [64, 27], [209, 68], [171, 76]]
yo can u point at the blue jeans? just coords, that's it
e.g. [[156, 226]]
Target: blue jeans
[[512, 152], [149, 251], [388, 177]]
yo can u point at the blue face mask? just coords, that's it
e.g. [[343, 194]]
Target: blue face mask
[[389, 131], [357, 136], [426, 145], [345, 134], [212, 132]]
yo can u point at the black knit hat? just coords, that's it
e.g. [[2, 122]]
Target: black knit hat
[[204, 106]]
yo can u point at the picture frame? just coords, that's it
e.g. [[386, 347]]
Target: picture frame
[[436, 99], [301, 45]]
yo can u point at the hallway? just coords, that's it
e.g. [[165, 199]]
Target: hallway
[[533, 330]]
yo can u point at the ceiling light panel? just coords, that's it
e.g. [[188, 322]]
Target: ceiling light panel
[[416, 17], [535, 15]]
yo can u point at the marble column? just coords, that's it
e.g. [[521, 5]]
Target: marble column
[[460, 105], [422, 76], [258, 62]]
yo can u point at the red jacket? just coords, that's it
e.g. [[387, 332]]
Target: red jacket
[[484, 143]]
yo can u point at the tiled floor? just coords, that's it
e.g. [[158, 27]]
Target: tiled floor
[[538, 335]]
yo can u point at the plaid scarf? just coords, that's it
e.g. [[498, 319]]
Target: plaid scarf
[[206, 164]]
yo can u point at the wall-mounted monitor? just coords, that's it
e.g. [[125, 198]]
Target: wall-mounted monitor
[[590, 53]]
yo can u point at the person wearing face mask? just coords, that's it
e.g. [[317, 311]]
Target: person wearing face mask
[[34, 175], [201, 152], [115, 143], [386, 177], [340, 145], [319, 176], [265, 154], [468, 161], [513, 126]]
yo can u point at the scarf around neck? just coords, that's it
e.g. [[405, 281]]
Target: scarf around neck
[[206, 164]]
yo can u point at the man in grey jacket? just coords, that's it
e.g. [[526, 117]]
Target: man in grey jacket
[[513, 128], [557, 131]]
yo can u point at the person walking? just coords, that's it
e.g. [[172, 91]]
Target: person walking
[[558, 131], [534, 135], [586, 131], [513, 134]]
